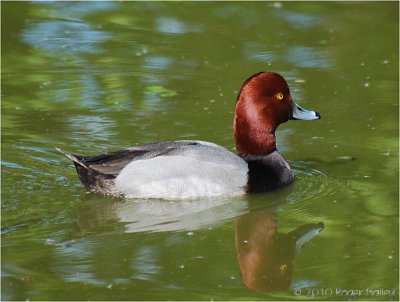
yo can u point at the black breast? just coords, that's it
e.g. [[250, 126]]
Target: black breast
[[267, 173]]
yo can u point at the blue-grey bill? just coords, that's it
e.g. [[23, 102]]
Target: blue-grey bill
[[303, 114], [301, 241]]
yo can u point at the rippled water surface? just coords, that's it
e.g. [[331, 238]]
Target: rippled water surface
[[92, 77]]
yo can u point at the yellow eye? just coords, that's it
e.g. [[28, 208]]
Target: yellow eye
[[283, 267], [279, 96]]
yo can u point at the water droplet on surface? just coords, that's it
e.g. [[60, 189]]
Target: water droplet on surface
[[277, 5], [346, 157]]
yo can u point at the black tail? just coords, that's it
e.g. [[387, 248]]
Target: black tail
[[92, 180]]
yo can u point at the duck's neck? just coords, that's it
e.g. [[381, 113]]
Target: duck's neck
[[253, 136], [256, 145]]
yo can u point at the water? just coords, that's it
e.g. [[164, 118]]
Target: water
[[92, 77]]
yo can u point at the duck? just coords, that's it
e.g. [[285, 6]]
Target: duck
[[185, 169]]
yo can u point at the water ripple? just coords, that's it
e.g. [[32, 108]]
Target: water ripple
[[57, 37], [311, 184]]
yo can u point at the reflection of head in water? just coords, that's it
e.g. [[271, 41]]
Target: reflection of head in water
[[265, 257]]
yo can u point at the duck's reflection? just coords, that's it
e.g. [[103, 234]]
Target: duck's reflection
[[266, 257], [155, 215]]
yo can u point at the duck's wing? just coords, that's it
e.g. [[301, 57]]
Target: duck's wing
[[112, 163], [97, 173]]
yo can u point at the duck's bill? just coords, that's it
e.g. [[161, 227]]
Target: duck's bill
[[303, 114], [305, 233]]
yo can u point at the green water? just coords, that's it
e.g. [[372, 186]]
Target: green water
[[92, 77]]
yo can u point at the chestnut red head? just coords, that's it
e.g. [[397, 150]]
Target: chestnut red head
[[264, 102]]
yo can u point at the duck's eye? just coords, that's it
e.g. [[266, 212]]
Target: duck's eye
[[279, 96], [283, 267]]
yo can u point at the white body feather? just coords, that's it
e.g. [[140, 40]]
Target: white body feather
[[204, 169]]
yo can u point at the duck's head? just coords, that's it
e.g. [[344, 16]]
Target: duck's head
[[264, 102]]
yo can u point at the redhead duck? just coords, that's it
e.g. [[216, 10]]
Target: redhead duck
[[192, 168]]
